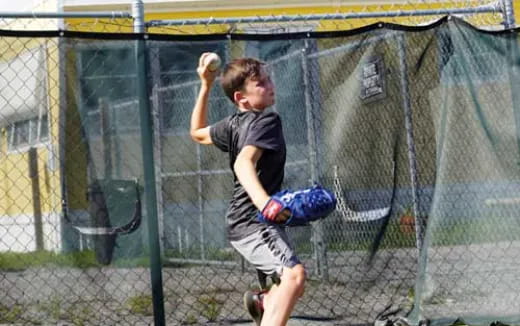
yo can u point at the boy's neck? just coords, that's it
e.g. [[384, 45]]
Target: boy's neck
[[243, 109]]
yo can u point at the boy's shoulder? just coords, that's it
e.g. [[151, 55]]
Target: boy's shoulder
[[266, 115], [253, 116], [246, 122], [266, 118]]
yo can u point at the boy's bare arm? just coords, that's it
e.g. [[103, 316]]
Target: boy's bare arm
[[199, 129], [245, 169]]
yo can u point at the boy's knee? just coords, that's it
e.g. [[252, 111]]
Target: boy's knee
[[296, 276]]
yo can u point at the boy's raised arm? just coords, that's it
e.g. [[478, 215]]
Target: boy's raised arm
[[199, 129]]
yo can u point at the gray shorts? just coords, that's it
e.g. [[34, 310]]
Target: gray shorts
[[268, 250]]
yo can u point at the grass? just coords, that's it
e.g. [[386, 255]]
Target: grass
[[12, 261], [52, 307], [190, 320], [209, 307], [141, 261], [78, 313], [450, 233], [10, 314], [140, 305], [359, 237]]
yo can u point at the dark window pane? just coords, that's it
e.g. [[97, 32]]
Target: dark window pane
[[44, 131]]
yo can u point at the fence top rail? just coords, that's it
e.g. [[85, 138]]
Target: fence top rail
[[85, 14], [489, 8]]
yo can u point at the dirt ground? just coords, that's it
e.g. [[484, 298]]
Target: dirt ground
[[465, 280]]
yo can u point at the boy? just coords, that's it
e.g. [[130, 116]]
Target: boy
[[256, 146]]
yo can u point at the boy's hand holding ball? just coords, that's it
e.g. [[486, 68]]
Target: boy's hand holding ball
[[209, 63], [212, 61]]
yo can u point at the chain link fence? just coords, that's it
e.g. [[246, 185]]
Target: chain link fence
[[409, 126]]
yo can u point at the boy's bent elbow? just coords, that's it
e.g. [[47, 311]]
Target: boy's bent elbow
[[194, 136], [201, 136]]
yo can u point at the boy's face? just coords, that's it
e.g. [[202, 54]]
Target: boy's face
[[258, 93]]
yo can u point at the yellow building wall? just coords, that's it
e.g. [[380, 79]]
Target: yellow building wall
[[125, 25], [3, 174], [33, 24], [16, 184], [53, 176], [75, 172]]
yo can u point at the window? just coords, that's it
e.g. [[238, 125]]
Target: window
[[27, 133], [24, 99]]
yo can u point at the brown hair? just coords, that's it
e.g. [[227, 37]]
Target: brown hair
[[237, 72]]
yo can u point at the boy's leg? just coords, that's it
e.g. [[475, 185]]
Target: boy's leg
[[280, 300], [270, 251]]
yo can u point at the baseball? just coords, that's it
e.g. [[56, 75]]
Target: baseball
[[213, 61]]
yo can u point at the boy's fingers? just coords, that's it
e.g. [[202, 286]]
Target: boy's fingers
[[202, 57], [283, 216]]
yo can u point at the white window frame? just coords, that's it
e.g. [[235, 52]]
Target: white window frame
[[38, 140], [43, 111]]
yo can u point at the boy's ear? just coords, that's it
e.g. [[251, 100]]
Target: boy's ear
[[239, 97]]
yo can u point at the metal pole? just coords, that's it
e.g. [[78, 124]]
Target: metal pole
[[36, 198], [513, 53], [138, 15], [106, 136], [412, 160], [148, 165], [317, 228], [509, 13], [158, 157], [200, 203], [86, 14], [490, 8], [412, 156]]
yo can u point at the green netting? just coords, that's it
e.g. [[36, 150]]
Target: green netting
[[467, 263]]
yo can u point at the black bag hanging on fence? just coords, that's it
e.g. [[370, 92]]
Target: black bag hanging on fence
[[103, 243]]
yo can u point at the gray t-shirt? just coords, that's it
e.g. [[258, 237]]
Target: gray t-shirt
[[263, 130]]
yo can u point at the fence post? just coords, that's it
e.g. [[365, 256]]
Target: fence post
[[513, 52], [36, 199], [509, 13], [148, 164], [420, 225], [318, 233]]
